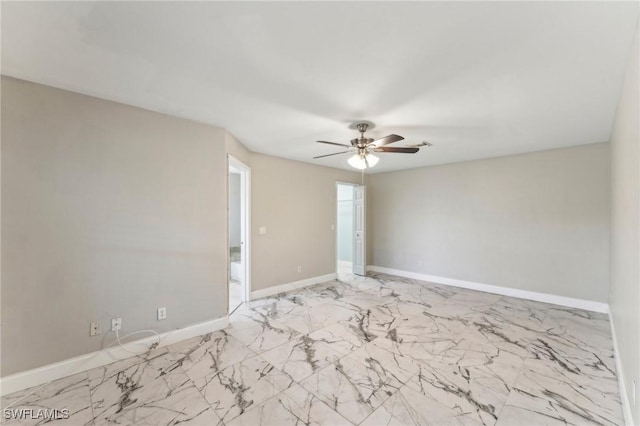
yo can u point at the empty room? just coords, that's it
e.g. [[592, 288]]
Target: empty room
[[320, 213]]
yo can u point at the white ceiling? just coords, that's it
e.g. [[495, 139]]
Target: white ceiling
[[478, 79]]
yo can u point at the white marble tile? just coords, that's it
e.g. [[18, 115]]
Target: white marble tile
[[548, 393], [425, 328], [377, 350], [503, 331], [151, 392], [318, 317], [66, 399], [376, 321], [263, 337], [383, 355], [465, 302], [282, 305], [471, 390], [294, 406], [204, 355], [330, 292], [235, 389], [343, 337], [588, 358], [246, 317], [301, 357], [408, 407], [365, 301], [404, 308], [351, 388], [583, 328]]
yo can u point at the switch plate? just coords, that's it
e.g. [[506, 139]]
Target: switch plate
[[262, 230], [299, 268], [162, 313]]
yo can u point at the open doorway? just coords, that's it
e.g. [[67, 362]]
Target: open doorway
[[344, 229], [239, 184]]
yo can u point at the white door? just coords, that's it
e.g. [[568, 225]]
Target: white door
[[359, 234]]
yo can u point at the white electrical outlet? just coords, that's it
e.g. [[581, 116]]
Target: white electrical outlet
[[162, 313], [95, 329], [116, 324], [299, 268]]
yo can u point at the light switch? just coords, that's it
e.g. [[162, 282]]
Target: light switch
[[262, 230]]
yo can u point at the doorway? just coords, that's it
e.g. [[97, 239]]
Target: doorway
[[344, 229], [239, 254]]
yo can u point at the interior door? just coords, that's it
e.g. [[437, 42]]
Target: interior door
[[359, 233]]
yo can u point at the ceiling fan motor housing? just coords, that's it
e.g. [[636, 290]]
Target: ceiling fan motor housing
[[361, 142]]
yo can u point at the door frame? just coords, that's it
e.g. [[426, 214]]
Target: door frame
[[245, 225], [336, 221], [364, 231]]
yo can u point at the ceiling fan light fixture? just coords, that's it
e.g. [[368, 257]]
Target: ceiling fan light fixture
[[357, 161]]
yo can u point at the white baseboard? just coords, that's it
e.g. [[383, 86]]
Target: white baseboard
[[624, 397], [505, 291], [266, 292], [68, 367]]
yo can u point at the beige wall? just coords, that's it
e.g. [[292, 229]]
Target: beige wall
[[113, 211], [625, 229], [537, 222], [236, 149], [107, 210], [296, 202]]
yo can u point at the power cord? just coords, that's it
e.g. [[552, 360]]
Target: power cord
[[117, 341]]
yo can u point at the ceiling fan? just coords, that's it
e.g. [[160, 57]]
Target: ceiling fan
[[363, 147]]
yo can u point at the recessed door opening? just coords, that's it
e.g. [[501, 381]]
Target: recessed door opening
[[239, 177], [344, 229]]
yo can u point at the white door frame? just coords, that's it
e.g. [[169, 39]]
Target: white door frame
[[245, 224], [337, 229], [360, 235]]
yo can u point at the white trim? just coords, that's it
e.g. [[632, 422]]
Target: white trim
[[588, 305], [259, 294], [68, 367], [626, 404]]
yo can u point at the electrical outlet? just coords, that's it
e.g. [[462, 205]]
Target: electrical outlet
[[162, 313], [299, 268], [95, 329], [116, 324]]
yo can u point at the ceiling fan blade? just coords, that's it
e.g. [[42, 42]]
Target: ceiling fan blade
[[387, 140], [329, 155], [418, 145], [400, 150], [335, 143]]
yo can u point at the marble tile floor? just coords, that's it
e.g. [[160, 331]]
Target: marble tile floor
[[235, 294], [376, 350]]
